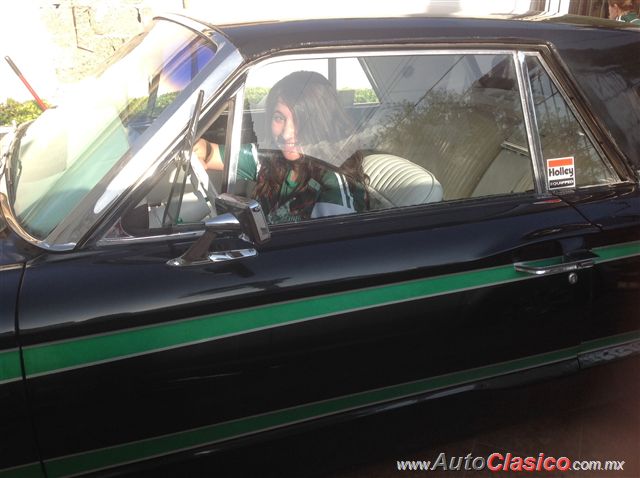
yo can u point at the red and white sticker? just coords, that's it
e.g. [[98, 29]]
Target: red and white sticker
[[561, 173]]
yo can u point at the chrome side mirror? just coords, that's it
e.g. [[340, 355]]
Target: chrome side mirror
[[244, 218]]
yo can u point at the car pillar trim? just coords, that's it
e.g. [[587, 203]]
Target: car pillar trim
[[54, 357], [531, 124]]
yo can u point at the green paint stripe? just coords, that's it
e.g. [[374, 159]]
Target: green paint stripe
[[48, 358], [620, 251], [606, 342], [145, 449], [33, 470], [189, 439], [10, 368], [85, 351]]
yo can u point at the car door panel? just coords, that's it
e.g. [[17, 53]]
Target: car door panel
[[149, 350], [18, 449], [469, 315], [616, 298]]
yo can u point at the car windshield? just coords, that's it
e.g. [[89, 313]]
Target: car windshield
[[65, 153]]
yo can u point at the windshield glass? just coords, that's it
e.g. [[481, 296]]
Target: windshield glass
[[70, 148]]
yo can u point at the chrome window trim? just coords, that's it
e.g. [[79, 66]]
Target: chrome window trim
[[372, 81], [531, 123], [106, 241], [358, 51], [11, 220], [198, 27], [377, 50], [236, 137], [127, 174]]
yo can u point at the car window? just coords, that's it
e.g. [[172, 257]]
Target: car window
[[424, 128], [85, 137], [373, 133], [571, 160], [180, 196], [352, 82]]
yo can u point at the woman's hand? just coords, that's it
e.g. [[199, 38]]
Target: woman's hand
[[208, 154]]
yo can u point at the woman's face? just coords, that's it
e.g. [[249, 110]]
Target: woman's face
[[283, 131], [614, 12]]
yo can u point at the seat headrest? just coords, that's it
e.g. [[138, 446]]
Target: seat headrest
[[400, 182]]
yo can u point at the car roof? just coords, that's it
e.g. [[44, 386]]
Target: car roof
[[587, 45], [255, 39]]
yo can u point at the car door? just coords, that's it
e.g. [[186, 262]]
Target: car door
[[611, 330], [128, 358], [17, 445]]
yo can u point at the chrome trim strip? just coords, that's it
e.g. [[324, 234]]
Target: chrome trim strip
[[106, 241], [190, 23], [531, 124], [554, 269], [17, 228], [376, 50], [236, 137]]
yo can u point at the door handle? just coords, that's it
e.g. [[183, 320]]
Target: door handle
[[570, 263]]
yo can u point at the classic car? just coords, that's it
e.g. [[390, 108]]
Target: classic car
[[149, 309]]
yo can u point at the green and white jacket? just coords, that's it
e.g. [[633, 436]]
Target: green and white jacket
[[631, 17], [332, 196]]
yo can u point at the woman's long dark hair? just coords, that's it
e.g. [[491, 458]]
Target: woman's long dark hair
[[319, 119]]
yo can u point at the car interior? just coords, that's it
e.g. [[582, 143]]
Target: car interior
[[431, 128]]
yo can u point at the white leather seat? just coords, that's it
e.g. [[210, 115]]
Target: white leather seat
[[397, 182]]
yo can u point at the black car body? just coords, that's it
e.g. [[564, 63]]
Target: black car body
[[112, 352]]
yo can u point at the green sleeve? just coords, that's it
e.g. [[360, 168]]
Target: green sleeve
[[248, 164], [337, 190]]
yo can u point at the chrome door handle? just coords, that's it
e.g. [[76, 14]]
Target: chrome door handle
[[570, 263]]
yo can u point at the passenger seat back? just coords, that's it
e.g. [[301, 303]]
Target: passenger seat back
[[396, 182]]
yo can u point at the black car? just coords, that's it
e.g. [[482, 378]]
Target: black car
[[151, 308]]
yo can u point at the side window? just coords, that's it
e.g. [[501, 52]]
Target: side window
[[354, 87], [330, 136], [570, 157], [457, 116], [181, 196]]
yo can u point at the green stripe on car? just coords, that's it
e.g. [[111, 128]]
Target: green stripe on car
[[10, 366], [74, 353], [190, 439]]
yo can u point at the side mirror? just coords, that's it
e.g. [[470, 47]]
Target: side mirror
[[244, 218], [250, 216]]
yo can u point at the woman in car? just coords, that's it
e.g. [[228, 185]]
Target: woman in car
[[307, 124], [622, 10]]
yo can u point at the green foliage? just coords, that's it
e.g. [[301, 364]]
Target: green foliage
[[140, 106], [255, 94], [20, 112], [365, 95], [414, 128]]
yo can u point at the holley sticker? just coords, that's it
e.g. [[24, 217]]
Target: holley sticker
[[561, 173]]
